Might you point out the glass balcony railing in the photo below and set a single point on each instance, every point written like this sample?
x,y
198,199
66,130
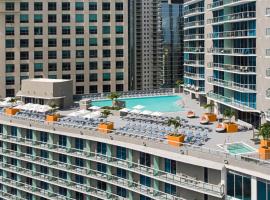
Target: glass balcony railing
x,y
194,37
193,24
267,72
245,106
175,179
232,85
199,63
233,68
267,93
194,75
194,88
194,49
241,51
197,10
224,3
233,34
232,17
9,196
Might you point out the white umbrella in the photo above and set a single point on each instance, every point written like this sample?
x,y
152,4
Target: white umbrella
x,y
73,114
138,107
146,112
95,107
125,110
156,114
135,111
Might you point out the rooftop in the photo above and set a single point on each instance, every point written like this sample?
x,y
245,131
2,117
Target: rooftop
x,y
47,80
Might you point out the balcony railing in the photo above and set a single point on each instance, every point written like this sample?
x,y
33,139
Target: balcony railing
x,y
232,85
232,17
175,179
194,75
194,11
194,37
233,34
244,106
9,196
232,68
267,72
194,88
194,62
194,49
241,51
224,3
194,23
267,93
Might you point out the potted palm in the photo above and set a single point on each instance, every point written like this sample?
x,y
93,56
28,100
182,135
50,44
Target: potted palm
x,y
179,85
52,116
210,114
264,150
105,127
230,126
175,139
11,110
114,96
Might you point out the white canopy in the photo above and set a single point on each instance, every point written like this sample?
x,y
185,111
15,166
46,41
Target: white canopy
x,y
138,107
146,112
95,114
95,107
157,114
124,110
135,111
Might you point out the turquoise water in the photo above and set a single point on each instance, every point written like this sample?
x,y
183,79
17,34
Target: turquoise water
x,y
159,104
239,148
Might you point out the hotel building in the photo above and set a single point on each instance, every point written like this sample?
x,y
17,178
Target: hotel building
x,y
85,41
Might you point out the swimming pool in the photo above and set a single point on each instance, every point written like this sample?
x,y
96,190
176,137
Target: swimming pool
x,y
239,148
159,104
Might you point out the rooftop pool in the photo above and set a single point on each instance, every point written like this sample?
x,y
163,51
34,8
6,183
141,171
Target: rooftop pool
x,y
156,103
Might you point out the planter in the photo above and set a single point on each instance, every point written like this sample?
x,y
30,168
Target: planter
x,y
264,153
265,143
51,118
105,127
175,141
231,127
11,111
211,117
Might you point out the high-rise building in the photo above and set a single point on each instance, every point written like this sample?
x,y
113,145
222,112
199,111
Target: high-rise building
x,y
227,56
145,41
194,17
172,38
85,41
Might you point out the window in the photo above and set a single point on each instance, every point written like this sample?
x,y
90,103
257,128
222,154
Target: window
x,y
38,67
10,55
66,54
267,52
119,41
65,66
106,65
79,18
10,43
24,6
119,18
52,54
121,173
263,190
52,30
93,89
79,66
106,29
52,42
119,87
106,76
170,166
119,76
65,18
24,31
101,148
66,30
38,55
106,88
24,55
121,153
9,18
121,191
52,67
106,53
170,189
10,6
145,159
119,53
24,67
52,18
62,158
93,53
38,6
267,11
101,185
101,167
52,6
92,29
65,6
10,68
92,6
10,80
62,140
24,18
79,6
65,42
38,18
79,30
79,42
106,42
93,77
24,43
267,31
105,6
79,53
9,30
10,92
38,43
106,18
145,180
93,42
92,18
119,6
66,76
38,30
93,65
79,90
119,29
79,77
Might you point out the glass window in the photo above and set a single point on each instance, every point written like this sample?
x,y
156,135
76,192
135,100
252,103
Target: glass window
x,y
38,30
106,53
9,18
66,54
52,67
66,66
52,54
65,18
105,6
119,53
92,41
24,6
52,30
93,89
38,55
24,18
93,53
106,29
38,67
65,42
121,192
9,30
38,18
106,65
24,31
93,29
170,189
119,76
65,6
93,65
79,65
10,80
9,43
119,29
119,41
52,42
101,148
101,167
10,68
10,6
92,17
119,64
79,143
92,5
106,88
38,6
106,41
93,77
79,77
121,153
79,89
121,173
24,68
66,30
52,18
38,43
119,6
52,6
145,180
170,166
24,43
24,55
79,41
106,76
79,18
79,30
106,17
119,18
62,140
119,87
79,6
79,53
145,159
10,55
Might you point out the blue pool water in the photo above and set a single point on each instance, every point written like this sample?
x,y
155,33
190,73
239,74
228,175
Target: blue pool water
x,y
159,104
239,148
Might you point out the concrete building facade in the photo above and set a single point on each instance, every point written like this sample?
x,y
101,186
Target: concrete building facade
x,y
85,41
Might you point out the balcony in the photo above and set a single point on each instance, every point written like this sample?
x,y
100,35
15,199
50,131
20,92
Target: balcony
x,y
175,179
194,49
233,34
194,63
194,37
194,11
193,24
231,102
234,51
193,88
243,16
267,73
267,93
233,68
195,76
250,88
226,3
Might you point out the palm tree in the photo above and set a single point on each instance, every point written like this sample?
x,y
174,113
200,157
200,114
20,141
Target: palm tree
x,y
175,122
264,131
114,96
229,113
105,114
210,106
179,83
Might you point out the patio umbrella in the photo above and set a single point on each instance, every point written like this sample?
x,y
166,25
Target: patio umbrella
x,y
135,111
158,114
95,107
146,112
138,107
125,110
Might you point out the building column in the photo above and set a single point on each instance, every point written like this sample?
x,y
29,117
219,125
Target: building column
x,y
130,183
51,140
69,144
35,138
224,180
109,169
130,158
156,171
254,188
